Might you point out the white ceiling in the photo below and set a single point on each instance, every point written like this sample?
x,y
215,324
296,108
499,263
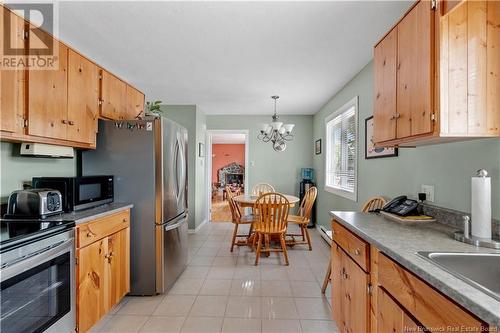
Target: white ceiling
x,y
230,57
230,138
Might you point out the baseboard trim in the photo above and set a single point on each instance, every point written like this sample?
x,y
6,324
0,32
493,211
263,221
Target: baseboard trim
x,y
325,233
193,231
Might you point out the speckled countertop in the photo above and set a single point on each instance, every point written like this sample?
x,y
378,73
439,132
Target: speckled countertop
x,y
401,242
86,215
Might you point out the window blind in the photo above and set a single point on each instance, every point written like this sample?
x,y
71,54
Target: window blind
x,y
341,151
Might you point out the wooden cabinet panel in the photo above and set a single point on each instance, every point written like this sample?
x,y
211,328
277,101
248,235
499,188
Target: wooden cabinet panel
x,y
356,310
135,103
113,96
336,286
415,72
91,284
90,232
350,299
354,246
118,266
48,97
470,56
83,99
391,318
422,301
493,68
12,82
384,67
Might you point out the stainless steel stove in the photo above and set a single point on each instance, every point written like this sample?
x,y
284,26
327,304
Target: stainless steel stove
x,y
37,276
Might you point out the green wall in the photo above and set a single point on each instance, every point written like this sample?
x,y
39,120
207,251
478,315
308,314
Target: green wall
x,y
265,165
193,120
16,169
446,166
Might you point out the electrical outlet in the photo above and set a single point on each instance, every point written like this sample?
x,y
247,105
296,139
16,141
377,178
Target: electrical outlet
x,y
429,192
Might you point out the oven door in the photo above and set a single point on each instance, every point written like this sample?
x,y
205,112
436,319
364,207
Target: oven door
x,y
38,291
93,191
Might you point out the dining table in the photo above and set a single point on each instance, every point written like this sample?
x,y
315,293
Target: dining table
x,y
248,200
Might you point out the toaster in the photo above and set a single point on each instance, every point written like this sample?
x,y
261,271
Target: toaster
x,y
34,203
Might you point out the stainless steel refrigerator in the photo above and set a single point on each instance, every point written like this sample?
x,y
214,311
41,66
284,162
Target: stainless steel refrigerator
x,y
149,161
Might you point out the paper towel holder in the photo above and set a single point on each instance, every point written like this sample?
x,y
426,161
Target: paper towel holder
x,y
466,237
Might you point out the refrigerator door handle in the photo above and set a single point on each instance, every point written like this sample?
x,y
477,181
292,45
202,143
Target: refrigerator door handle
x,y
179,182
176,225
176,162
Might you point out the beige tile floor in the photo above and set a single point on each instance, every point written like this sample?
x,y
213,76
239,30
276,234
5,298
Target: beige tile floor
x,y
222,291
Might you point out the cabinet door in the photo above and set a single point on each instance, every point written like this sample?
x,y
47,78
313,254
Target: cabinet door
x,y
338,293
357,304
48,97
135,102
83,96
415,72
118,260
91,284
12,82
391,317
113,96
384,121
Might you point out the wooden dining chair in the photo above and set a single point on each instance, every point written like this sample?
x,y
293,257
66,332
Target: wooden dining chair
x,y
303,218
262,188
372,204
238,219
272,221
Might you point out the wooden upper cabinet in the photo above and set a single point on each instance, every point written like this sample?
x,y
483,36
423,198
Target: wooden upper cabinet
x,y
385,56
135,102
415,70
12,82
470,70
83,99
113,97
448,74
48,97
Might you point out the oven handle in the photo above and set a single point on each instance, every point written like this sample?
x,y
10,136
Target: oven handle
x,y
18,266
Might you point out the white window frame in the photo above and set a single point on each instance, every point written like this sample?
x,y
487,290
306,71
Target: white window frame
x,y
335,190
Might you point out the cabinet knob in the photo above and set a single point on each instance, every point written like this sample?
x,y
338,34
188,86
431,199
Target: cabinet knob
x,y
357,252
64,121
397,115
71,122
89,234
124,219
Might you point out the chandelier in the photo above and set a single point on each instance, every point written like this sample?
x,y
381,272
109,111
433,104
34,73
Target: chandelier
x,y
276,132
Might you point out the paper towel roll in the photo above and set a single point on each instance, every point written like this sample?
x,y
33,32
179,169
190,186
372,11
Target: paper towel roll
x,y
481,207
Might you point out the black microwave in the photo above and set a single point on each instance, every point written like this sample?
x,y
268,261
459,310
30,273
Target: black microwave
x,y
79,192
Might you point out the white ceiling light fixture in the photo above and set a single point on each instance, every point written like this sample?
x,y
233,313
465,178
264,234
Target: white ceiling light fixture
x,y
276,132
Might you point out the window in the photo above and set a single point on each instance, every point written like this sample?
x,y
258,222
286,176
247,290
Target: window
x,y
342,151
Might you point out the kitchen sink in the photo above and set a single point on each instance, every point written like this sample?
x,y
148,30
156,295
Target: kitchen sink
x,y
481,270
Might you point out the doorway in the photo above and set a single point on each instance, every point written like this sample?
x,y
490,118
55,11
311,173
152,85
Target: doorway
x,y
227,165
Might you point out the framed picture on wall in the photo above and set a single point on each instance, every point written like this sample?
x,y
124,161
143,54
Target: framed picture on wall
x,y
370,150
201,149
317,147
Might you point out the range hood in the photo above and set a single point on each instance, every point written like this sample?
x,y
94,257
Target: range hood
x,y
45,150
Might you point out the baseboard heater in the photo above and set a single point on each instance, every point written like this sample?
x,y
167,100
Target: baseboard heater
x,y
325,233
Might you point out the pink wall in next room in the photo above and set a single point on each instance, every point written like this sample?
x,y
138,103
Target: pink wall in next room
x,y
224,154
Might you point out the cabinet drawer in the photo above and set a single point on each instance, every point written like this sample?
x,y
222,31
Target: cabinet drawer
x,y
354,246
92,231
421,300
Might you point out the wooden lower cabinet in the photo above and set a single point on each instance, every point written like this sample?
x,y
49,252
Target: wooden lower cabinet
x,y
103,276
388,298
350,299
391,317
